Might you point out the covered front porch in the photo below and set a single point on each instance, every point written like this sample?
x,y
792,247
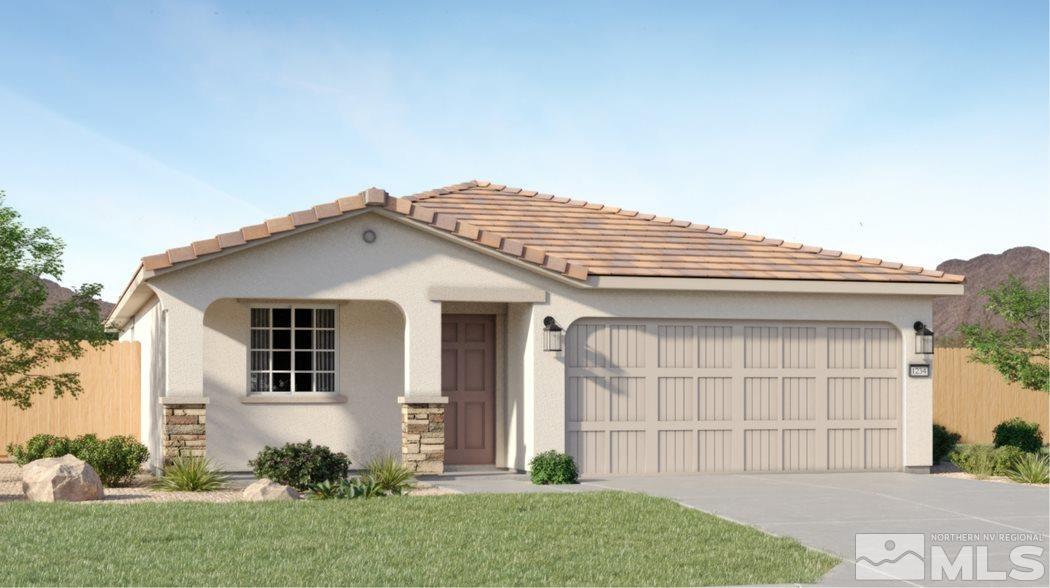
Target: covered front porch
x,y
436,383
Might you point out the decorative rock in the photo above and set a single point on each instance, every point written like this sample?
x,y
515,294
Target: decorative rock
x,y
60,479
266,489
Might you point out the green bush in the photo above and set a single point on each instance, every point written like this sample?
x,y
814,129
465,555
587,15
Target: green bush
x,y
1031,468
39,447
191,474
116,460
1019,433
553,467
944,442
984,460
389,475
300,465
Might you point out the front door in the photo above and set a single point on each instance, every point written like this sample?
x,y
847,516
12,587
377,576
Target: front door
x,y
468,378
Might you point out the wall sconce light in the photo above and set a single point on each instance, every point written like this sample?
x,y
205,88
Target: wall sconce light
x,y
923,339
553,334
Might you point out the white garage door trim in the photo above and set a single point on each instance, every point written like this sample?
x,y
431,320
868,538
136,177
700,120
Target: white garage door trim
x,y
674,396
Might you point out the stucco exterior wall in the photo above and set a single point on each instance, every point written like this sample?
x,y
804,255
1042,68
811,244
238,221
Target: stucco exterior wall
x,y
370,376
148,329
332,263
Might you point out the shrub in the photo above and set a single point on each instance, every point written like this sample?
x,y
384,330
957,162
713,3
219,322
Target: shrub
x,y
345,490
553,467
191,474
116,460
1019,433
1031,468
39,447
300,465
984,461
389,475
944,442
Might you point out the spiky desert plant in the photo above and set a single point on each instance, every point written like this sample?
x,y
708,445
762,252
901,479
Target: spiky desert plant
x,y
191,474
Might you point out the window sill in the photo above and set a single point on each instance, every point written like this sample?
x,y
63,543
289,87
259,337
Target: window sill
x,y
295,398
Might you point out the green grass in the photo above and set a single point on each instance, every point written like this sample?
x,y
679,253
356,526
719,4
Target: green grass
x,y
513,539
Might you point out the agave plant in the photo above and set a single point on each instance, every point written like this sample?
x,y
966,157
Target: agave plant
x,y
1031,468
389,475
345,490
327,490
191,474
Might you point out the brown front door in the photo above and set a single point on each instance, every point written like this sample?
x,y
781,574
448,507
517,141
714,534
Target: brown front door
x,y
468,378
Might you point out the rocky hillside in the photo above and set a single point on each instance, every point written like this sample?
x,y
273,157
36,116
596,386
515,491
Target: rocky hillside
x,y
57,293
1030,264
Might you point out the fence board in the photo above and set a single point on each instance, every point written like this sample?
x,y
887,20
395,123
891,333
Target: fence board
x,y
971,398
109,404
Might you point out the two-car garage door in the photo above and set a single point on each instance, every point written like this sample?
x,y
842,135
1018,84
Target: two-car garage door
x,y
651,396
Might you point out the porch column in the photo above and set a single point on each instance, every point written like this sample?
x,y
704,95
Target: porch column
x,y
422,406
184,421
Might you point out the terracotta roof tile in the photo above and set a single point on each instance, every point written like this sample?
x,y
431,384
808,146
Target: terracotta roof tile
x,y
579,239
255,232
227,240
206,246
180,254
158,261
351,203
467,230
513,247
280,224
326,210
375,197
304,217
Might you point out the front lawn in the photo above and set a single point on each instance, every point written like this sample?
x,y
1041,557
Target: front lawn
x,y
511,539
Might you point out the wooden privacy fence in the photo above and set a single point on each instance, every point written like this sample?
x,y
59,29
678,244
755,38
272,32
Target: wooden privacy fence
x,y
971,398
109,404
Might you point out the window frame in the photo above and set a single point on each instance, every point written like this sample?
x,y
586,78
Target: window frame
x,y
292,307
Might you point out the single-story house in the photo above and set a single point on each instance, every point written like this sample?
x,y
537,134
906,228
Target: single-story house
x,y
482,324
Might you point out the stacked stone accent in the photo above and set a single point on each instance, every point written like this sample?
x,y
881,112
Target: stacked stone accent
x,y
184,431
423,437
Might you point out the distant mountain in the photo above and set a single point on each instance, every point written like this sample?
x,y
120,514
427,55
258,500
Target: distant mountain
x,y
1030,264
57,293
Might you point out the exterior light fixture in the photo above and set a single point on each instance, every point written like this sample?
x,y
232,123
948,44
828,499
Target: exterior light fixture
x,y
923,339
553,334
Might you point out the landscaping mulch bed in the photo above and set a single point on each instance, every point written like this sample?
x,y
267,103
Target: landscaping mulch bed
x,y
140,491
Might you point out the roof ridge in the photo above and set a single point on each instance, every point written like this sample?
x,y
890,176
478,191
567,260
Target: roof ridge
x,y
598,207
375,198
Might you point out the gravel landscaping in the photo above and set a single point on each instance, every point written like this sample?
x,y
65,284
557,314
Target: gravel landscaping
x,y
140,491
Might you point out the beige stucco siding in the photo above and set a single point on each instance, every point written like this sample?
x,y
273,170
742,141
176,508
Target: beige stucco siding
x,y
147,328
332,263
370,372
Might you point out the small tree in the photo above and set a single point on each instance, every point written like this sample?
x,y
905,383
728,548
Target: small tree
x,y
1019,351
33,333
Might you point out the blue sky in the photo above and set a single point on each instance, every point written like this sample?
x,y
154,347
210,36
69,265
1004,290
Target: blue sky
x,y
912,131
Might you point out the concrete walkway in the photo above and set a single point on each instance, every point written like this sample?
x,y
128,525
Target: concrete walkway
x,y
826,511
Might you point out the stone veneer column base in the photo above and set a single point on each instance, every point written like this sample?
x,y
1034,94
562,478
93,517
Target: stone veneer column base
x,y
423,434
185,431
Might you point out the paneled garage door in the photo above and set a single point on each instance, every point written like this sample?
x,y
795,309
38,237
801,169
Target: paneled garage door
x,y
646,396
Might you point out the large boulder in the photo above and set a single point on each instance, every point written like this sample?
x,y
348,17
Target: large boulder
x,y
266,489
60,479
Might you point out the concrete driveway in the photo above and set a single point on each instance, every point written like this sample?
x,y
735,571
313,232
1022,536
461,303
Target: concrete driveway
x,y
827,511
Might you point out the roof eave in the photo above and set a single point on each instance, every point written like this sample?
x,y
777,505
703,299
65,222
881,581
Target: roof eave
x,y
778,285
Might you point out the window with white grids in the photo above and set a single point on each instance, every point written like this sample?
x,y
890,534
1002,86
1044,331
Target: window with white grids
x,y
292,349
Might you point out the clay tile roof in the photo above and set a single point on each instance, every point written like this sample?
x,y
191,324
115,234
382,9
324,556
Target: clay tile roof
x,y
606,240
579,239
